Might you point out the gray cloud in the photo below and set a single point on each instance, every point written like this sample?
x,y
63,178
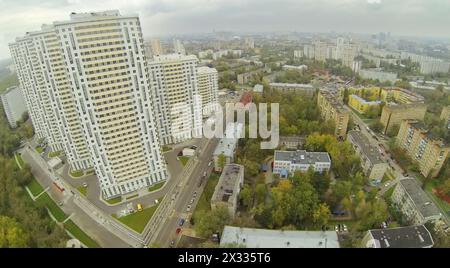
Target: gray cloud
x,y
159,17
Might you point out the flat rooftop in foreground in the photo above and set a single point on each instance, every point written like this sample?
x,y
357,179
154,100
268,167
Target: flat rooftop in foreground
x,y
264,238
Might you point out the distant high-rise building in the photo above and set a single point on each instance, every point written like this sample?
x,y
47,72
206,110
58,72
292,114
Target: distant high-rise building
x,y
157,48
308,51
249,43
176,97
178,47
92,72
208,87
13,105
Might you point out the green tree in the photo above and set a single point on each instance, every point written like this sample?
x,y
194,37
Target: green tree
x,y
213,221
246,196
221,161
321,215
445,187
260,193
12,234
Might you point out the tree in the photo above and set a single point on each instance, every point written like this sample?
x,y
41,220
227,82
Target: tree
x,y
12,234
321,215
221,161
260,193
213,221
445,187
377,126
246,196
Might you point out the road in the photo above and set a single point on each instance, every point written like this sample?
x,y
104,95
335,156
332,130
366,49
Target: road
x,y
167,233
92,227
396,169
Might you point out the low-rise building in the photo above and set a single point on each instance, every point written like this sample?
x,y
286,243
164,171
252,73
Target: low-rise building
x,y
445,115
361,105
299,68
265,238
292,142
305,88
287,162
371,162
392,114
416,236
331,108
14,105
228,188
429,152
227,145
258,88
377,74
409,198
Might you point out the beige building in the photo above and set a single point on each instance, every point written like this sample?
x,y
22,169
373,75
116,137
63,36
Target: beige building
x,y
92,72
393,114
208,87
445,115
176,97
429,152
371,162
332,108
409,198
228,188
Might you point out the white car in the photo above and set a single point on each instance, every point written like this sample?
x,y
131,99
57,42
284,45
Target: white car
x,y
85,184
387,184
188,208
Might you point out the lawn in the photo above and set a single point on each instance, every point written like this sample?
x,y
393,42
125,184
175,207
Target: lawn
x,y
156,186
132,196
76,173
34,187
39,149
184,160
20,160
137,221
204,202
114,200
72,228
56,211
166,148
54,154
82,190
387,195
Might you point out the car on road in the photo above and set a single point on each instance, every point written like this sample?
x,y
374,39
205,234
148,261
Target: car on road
x,y
181,222
210,163
178,230
85,184
188,208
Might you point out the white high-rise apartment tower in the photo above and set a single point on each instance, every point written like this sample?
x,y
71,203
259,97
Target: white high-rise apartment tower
x,y
208,87
176,97
99,79
178,47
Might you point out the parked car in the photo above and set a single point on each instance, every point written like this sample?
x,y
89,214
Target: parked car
x,y
181,222
336,228
172,243
139,207
178,230
188,208
85,184
344,228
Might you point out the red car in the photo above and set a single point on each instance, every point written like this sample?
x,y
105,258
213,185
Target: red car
x,y
178,230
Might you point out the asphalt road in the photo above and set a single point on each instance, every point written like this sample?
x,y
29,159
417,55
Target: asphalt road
x,y
168,233
92,227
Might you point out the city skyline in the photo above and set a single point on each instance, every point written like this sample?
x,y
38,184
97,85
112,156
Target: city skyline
x,y
169,17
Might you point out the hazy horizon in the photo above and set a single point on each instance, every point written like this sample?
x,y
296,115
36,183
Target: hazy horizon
x,y
414,18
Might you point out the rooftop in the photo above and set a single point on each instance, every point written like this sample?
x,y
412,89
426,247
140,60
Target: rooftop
x,y
228,143
302,157
229,179
264,238
420,199
403,237
365,101
370,151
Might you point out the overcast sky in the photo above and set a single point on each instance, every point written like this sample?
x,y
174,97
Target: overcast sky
x,y
161,17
